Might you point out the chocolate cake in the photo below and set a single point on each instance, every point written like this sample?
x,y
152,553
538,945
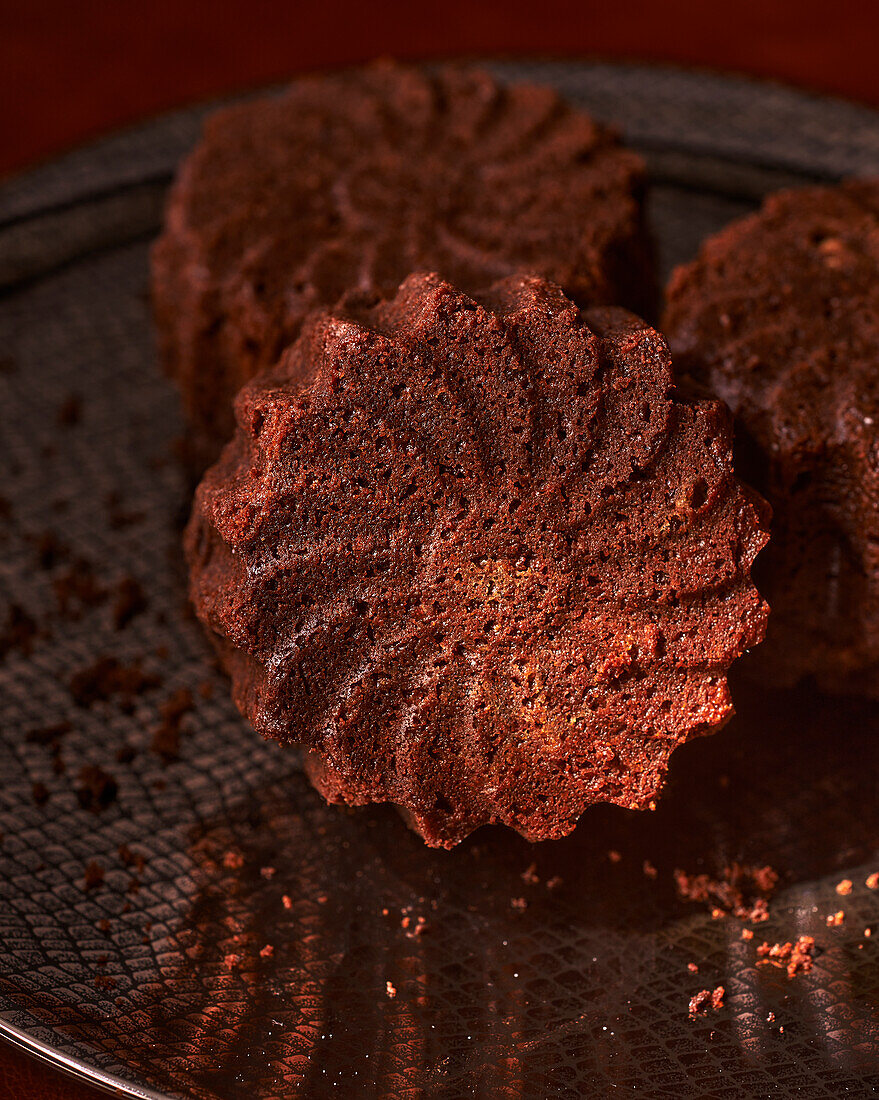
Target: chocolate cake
x,y
779,316
357,179
486,566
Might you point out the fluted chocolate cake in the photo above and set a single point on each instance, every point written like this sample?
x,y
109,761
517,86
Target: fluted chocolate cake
x,y
354,180
779,316
475,555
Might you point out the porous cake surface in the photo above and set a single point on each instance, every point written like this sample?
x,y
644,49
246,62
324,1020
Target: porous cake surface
x,y
475,555
356,179
779,316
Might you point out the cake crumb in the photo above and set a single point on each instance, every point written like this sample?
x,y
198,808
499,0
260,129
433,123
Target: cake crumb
x,y
267,951
554,882
844,888
231,961
614,856
742,891
166,736
519,903
390,990
529,875
693,968
287,901
97,789
130,601
872,881
834,920
40,794
747,934
94,875
795,957
648,869
267,872
707,998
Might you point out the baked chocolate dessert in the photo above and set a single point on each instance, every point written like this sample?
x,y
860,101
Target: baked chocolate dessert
x,y
352,181
779,316
486,567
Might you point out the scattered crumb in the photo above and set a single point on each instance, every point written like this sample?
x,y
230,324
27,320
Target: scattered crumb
x,y
614,856
648,869
50,550
747,934
40,794
78,590
742,891
131,858
166,736
48,735
94,875
872,881
716,914
20,631
518,903
834,920
391,991
844,888
554,882
267,951
267,872
117,517
529,875
287,901
97,790
233,860
796,957
231,961
106,679
693,968
707,998
868,932
69,411
129,602
413,927
770,1019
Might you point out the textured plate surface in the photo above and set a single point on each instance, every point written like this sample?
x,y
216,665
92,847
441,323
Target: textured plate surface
x,y
212,929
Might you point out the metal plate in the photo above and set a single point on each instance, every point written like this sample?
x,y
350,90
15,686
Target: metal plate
x,y
554,970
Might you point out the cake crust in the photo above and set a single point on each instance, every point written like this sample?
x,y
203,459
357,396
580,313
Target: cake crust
x,y
353,180
484,566
779,317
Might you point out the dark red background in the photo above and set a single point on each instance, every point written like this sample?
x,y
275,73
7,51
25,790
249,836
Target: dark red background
x,y
70,71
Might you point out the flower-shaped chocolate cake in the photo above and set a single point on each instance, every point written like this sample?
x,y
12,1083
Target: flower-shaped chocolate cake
x,y
475,556
779,316
352,181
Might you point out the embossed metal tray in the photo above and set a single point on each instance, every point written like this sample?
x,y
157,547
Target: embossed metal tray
x,y
210,928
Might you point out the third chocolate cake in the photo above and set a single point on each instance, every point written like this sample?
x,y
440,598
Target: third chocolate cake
x,y
779,316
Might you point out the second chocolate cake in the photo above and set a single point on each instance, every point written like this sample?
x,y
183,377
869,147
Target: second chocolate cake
x,y
476,557
354,180
779,316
